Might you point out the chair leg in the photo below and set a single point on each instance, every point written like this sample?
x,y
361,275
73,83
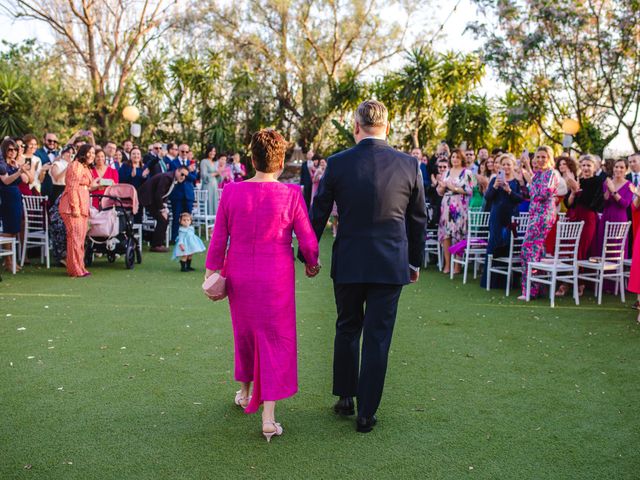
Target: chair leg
x,y
439,258
488,267
600,285
14,258
552,289
576,286
466,268
621,276
507,291
528,292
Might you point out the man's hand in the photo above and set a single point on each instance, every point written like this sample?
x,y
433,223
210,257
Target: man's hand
x,y
414,276
165,213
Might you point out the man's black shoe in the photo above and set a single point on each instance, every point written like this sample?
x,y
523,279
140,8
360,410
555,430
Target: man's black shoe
x,y
366,424
344,406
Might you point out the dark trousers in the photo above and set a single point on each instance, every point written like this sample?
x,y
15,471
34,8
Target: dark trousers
x,y
370,310
159,234
178,207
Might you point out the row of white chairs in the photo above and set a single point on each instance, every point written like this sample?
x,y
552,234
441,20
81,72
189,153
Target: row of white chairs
x,y
563,266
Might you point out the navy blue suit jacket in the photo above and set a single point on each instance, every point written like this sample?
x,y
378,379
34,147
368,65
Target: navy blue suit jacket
x,y
184,190
46,188
382,218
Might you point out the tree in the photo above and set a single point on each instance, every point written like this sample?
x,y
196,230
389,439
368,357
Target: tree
x,y
304,52
576,58
103,39
470,121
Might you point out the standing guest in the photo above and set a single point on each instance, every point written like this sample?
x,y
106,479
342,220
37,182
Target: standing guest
x,y
126,149
224,172
584,203
424,168
503,198
153,196
472,163
47,154
133,173
455,191
634,177
187,243
317,171
74,208
599,172
306,179
30,158
379,195
617,200
155,162
110,149
182,196
105,175
238,170
118,157
59,170
567,171
11,176
634,276
542,213
442,152
251,247
433,198
209,178
58,233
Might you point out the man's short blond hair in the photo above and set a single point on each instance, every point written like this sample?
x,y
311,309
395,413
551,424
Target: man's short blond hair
x,y
372,114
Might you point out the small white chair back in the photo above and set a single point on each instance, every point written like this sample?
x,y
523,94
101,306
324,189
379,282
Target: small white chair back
x,y
615,240
568,241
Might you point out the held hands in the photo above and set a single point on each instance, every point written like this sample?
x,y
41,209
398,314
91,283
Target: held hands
x,y
207,274
312,271
145,173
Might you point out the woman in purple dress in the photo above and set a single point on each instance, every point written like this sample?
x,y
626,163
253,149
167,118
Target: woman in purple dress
x,y
617,200
251,246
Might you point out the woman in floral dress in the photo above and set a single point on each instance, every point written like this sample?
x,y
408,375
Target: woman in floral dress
x,y
542,214
455,190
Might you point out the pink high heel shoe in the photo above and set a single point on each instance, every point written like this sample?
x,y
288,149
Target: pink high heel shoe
x,y
277,432
240,400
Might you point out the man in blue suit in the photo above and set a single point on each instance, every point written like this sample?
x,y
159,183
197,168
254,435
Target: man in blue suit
x,y
378,248
182,196
47,154
305,179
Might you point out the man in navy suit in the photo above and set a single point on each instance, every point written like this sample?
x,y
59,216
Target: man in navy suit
x,y
47,154
378,248
182,196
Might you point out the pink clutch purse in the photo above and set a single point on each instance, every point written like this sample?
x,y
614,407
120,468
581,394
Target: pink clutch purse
x,y
215,286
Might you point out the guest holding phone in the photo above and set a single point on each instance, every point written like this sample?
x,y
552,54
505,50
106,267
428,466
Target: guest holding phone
x,y
502,199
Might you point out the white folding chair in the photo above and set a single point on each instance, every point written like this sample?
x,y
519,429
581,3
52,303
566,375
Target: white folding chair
x,y
611,264
563,266
432,246
476,248
36,226
200,214
507,266
12,251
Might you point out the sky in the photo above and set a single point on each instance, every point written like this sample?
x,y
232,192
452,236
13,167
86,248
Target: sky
x,y
451,38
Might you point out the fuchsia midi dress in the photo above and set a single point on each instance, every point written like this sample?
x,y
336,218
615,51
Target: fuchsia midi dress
x,y
257,219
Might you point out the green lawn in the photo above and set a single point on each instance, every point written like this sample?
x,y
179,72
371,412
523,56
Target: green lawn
x,y
128,375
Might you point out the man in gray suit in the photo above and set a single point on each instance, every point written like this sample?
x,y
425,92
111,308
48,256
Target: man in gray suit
x,y
378,248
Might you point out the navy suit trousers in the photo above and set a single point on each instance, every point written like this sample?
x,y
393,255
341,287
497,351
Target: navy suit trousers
x,y
368,310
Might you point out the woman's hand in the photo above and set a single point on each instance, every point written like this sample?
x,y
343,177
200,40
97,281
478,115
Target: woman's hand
x,y
610,185
95,184
312,271
507,188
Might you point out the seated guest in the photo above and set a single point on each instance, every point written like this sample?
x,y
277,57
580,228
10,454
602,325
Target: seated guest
x,y
105,175
502,199
583,204
154,197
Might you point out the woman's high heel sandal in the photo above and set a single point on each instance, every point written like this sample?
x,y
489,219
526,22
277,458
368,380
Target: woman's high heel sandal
x,y
277,432
240,400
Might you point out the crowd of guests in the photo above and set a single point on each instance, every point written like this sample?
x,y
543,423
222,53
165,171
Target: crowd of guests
x,y
584,189
70,173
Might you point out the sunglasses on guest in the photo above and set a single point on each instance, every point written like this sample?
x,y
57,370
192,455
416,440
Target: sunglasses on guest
x,y
184,151
50,140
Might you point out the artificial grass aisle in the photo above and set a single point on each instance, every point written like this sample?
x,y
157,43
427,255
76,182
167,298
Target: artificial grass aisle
x,y
132,377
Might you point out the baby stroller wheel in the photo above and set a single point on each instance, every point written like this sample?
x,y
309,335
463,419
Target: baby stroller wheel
x,y
88,255
130,254
138,255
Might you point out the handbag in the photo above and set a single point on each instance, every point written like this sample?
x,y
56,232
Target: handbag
x,y
215,286
103,223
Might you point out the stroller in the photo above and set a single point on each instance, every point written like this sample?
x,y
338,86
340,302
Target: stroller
x,y
111,230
